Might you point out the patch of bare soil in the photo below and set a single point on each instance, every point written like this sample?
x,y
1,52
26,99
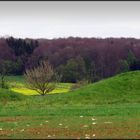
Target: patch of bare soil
x,y
13,119
5,133
45,132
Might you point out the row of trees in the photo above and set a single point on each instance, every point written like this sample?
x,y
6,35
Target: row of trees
x,y
91,58
75,59
77,69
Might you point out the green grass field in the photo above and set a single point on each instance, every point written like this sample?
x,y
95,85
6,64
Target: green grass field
x,y
107,109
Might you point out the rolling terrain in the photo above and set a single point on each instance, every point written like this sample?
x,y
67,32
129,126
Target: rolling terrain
x,y
109,108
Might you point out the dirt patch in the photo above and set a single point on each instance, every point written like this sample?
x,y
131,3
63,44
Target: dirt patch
x,y
44,132
8,120
5,133
14,119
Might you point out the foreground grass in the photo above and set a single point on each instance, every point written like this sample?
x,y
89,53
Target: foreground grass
x,y
23,120
75,127
33,118
24,108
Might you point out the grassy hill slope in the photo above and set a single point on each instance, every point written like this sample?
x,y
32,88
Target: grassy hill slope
x,y
122,88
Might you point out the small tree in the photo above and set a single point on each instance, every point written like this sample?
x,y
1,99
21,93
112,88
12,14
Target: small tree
x,y
42,78
124,66
6,67
131,58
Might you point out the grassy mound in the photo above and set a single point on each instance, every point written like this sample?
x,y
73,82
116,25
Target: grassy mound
x,y
122,88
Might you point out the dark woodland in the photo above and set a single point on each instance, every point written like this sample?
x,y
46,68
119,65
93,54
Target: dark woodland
x,y
75,59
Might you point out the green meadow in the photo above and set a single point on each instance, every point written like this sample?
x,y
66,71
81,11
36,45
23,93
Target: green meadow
x,y
109,108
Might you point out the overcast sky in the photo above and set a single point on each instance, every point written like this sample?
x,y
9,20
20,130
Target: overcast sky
x,y
63,19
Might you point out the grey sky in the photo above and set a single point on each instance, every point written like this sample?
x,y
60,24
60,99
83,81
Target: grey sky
x,y
63,19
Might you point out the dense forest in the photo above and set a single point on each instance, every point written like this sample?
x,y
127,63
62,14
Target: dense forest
x,y
75,59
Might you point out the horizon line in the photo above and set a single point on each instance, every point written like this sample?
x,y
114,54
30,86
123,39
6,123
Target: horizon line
x,y
95,37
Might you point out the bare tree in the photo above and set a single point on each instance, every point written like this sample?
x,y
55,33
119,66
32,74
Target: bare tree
x,y
42,78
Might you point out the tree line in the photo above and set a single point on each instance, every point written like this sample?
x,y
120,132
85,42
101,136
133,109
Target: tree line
x,y
75,59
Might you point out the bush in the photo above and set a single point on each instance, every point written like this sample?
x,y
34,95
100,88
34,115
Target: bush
x,y
4,85
7,95
79,84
